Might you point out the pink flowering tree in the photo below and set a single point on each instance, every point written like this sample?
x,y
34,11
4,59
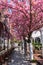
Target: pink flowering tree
x,y
25,16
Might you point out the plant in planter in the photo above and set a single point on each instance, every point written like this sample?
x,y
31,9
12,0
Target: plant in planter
x,y
37,47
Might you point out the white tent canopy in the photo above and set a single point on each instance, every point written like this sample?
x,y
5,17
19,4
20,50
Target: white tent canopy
x,y
35,34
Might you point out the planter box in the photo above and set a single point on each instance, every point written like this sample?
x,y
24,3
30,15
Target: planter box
x,y
33,63
39,59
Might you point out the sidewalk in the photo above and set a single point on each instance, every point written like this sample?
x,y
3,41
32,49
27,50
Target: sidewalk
x,y
17,59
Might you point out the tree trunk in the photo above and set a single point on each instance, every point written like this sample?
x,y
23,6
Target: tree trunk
x,y
25,47
22,45
7,44
31,51
4,44
30,47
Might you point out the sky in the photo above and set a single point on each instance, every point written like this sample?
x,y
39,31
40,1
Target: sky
x,y
8,0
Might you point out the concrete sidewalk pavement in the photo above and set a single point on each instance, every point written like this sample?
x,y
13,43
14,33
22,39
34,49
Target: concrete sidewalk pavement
x,y
17,59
